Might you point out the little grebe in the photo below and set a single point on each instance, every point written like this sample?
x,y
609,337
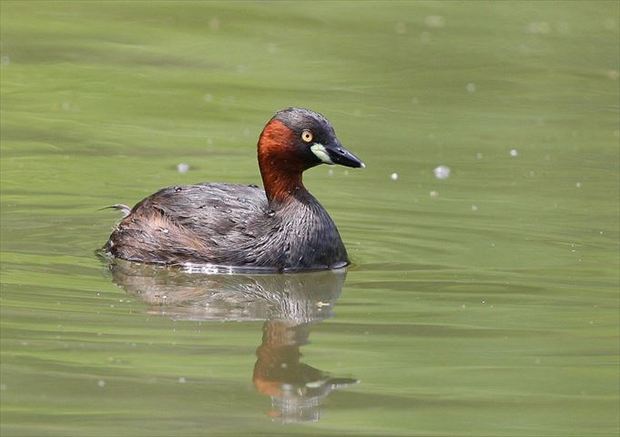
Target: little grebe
x,y
282,228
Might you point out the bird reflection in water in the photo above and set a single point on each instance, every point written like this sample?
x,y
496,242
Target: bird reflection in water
x,y
290,304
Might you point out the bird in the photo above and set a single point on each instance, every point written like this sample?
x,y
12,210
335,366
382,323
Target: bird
x,y
281,227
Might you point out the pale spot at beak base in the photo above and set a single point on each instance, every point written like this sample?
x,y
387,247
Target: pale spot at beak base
x,y
320,152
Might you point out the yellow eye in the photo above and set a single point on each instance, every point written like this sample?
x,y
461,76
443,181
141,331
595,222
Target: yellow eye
x,y
306,136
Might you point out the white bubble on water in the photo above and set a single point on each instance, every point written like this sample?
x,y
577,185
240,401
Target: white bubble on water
x,y
182,167
538,27
394,176
474,208
182,380
214,24
434,194
207,98
5,60
442,172
578,184
470,87
425,37
514,152
435,21
400,28
330,172
613,74
101,383
479,155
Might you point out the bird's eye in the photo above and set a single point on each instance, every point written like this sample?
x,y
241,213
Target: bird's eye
x,y
306,135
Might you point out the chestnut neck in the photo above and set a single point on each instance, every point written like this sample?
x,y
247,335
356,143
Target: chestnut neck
x,y
280,167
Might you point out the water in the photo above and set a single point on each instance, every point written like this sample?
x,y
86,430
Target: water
x,y
485,303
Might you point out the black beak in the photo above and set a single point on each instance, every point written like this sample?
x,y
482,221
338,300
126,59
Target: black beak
x,y
339,155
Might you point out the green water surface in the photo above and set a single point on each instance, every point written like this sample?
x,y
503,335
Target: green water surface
x,y
484,304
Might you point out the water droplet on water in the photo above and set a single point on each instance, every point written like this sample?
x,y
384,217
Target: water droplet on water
x,y
400,28
539,27
435,21
425,37
442,172
394,176
214,24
